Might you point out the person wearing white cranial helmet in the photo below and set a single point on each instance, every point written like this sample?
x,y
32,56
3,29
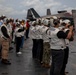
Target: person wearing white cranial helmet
x,y
46,46
57,47
36,36
52,18
5,39
68,28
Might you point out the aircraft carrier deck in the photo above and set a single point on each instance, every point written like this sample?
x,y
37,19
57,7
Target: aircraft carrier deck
x,y
25,65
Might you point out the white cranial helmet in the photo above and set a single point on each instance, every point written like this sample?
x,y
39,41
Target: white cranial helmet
x,y
66,21
54,17
34,22
45,21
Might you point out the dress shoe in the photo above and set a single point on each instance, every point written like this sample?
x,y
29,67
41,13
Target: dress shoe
x,y
10,48
6,62
47,66
43,65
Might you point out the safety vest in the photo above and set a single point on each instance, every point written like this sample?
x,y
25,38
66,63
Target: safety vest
x,y
18,34
55,42
1,34
45,33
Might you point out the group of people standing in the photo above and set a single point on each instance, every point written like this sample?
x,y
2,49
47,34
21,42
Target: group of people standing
x,y
12,32
52,42
40,35
50,38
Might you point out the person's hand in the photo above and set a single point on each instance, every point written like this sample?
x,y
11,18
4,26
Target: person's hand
x,y
71,28
70,34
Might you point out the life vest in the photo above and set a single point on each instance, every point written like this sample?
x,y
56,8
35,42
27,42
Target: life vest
x,y
55,42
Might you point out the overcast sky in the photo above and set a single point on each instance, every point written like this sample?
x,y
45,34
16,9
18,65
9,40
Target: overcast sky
x,y
18,8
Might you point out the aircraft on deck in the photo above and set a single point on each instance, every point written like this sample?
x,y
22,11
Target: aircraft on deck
x,y
33,15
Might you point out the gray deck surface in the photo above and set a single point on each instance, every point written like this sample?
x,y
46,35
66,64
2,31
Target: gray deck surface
x,y
25,65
